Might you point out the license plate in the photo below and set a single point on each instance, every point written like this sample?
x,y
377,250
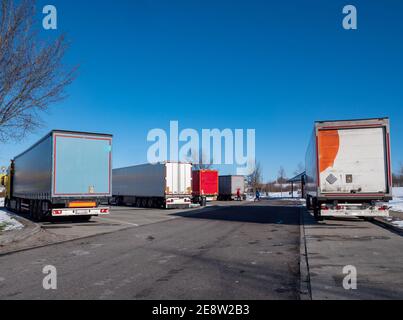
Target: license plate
x,y
82,212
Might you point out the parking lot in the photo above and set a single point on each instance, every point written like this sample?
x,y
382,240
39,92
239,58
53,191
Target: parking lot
x,y
232,251
120,218
228,250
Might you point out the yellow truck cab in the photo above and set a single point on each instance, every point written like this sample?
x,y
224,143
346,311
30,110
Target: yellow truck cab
x,y
5,180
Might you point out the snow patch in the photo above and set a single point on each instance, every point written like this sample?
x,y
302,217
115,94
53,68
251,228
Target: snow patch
x,y
1,202
397,202
284,194
398,223
7,223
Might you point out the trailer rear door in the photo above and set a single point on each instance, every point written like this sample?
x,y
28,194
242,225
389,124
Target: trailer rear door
x,y
82,165
353,161
179,178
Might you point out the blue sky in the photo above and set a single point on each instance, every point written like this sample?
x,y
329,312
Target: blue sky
x,y
273,66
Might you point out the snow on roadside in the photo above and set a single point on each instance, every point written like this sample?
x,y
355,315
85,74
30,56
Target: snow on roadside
x,y
397,202
1,202
398,223
7,223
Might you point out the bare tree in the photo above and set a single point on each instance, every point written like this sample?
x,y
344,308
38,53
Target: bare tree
x,y
32,75
254,180
300,169
281,178
398,177
199,164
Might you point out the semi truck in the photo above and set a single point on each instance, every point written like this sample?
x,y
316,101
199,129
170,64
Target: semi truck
x,y
230,187
204,185
348,169
65,174
164,185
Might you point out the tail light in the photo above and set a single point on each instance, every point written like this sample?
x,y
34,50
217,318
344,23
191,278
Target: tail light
x,y
383,208
57,212
104,210
339,207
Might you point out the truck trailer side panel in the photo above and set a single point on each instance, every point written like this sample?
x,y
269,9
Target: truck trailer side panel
x,y
166,185
141,181
33,172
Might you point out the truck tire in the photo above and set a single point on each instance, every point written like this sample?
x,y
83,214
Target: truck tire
x,y
37,212
41,212
308,203
316,210
203,201
32,211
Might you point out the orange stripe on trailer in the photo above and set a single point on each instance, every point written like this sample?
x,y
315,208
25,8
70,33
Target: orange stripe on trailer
x,y
329,144
82,204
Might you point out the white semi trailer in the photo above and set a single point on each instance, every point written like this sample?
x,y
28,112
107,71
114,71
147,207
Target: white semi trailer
x,y
165,185
348,169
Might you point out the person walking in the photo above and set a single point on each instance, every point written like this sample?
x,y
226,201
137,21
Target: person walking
x,y
257,195
238,194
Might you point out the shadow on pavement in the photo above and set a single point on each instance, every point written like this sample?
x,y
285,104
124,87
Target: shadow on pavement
x,y
261,212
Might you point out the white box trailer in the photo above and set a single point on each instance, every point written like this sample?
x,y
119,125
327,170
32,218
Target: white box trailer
x,y
165,185
348,168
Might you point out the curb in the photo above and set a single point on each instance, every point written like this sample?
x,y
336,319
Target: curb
x,y
305,292
29,230
389,226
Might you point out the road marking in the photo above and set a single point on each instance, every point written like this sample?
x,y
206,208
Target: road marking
x,y
119,221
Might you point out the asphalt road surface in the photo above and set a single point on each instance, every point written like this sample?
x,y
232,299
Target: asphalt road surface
x,y
237,252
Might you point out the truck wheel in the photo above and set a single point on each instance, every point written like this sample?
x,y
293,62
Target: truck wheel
x,y
316,210
308,203
144,202
32,211
41,213
37,214
203,202
316,213
18,206
150,203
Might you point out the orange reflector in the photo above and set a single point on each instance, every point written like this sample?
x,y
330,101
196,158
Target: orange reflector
x,y
78,204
